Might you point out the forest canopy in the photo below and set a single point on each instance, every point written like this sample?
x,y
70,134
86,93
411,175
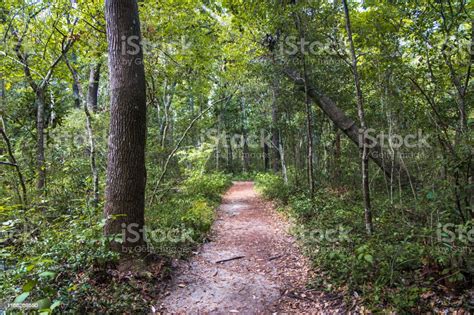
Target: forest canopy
x,y
123,123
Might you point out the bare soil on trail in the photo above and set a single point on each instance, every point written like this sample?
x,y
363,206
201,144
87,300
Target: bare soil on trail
x,y
250,266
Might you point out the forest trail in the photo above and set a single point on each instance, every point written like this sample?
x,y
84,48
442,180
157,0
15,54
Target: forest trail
x,y
251,265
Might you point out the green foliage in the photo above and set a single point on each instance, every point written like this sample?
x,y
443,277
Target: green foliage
x,y
414,63
391,269
35,275
208,186
272,186
175,227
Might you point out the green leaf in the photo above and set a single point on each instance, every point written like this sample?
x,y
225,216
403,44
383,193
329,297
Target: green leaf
x,y
47,274
27,287
22,297
55,304
369,258
44,304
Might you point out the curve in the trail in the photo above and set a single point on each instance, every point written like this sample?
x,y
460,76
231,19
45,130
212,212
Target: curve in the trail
x,y
251,265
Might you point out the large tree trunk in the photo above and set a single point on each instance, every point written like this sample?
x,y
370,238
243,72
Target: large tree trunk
x,y
126,173
93,89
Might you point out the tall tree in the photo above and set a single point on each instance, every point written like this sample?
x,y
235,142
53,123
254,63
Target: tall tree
x,y
89,130
275,129
360,110
126,172
39,88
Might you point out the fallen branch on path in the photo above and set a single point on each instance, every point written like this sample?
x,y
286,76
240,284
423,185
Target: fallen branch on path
x,y
229,259
275,257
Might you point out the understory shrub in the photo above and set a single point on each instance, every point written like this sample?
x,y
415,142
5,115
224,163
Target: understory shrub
x,y
391,269
272,186
63,263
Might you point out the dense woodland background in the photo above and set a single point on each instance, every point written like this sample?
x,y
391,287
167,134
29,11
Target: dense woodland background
x,y
277,91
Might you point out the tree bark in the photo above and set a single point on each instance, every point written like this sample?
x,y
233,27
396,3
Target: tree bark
x,y
126,172
266,157
75,84
40,144
283,161
93,88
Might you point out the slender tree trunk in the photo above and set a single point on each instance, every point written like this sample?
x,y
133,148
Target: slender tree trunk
x,y
167,101
309,124
309,136
245,146
360,109
283,162
40,143
230,155
40,90
218,141
275,131
90,134
13,160
337,155
266,157
75,85
126,172
93,88
92,156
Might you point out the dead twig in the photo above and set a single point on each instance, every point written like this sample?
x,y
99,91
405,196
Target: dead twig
x,y
275,257
229,259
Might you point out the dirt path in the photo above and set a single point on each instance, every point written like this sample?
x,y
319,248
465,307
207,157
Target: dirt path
x,y
268,273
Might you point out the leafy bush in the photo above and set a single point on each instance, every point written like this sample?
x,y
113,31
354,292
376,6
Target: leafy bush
x,y
208,186
46,260
272,186
392,268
